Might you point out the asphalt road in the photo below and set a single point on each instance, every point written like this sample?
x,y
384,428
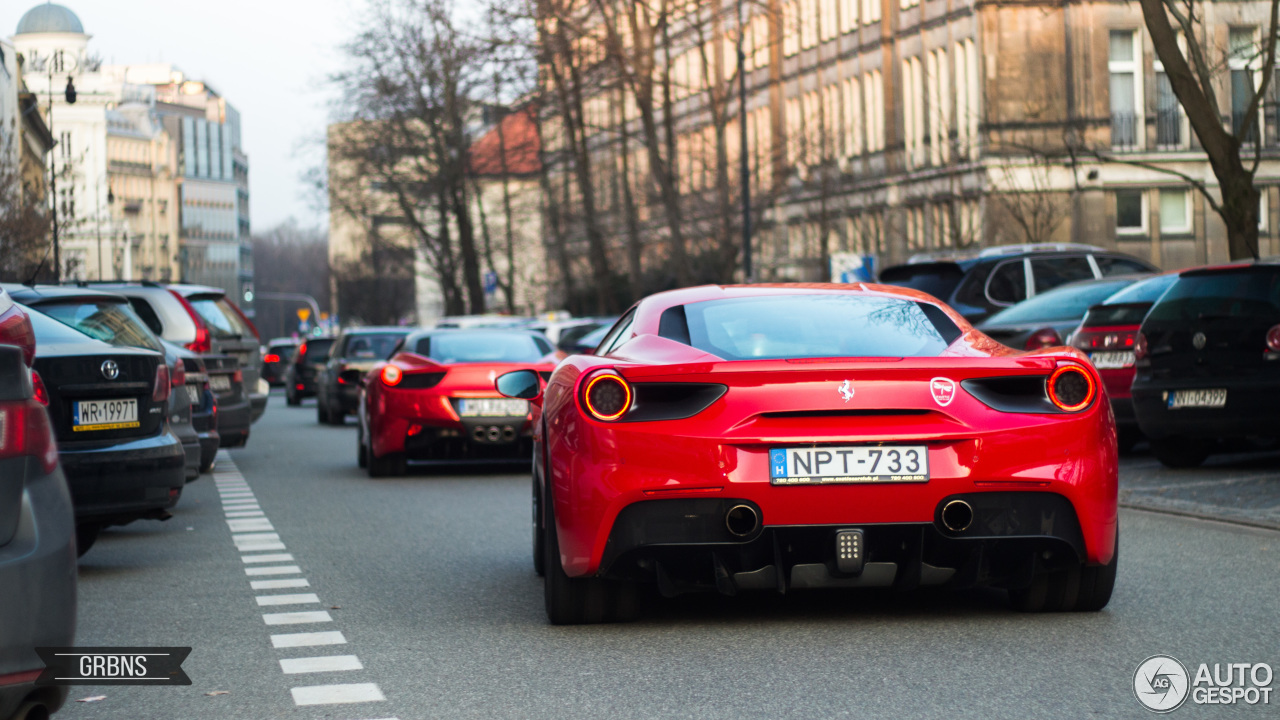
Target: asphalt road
x,y
428,581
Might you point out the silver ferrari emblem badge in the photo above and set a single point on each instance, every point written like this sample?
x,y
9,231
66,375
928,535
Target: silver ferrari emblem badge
x,y
846,390
1199,340
110,370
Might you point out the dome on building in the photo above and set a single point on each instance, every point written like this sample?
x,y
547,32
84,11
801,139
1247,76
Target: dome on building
x,y
49,18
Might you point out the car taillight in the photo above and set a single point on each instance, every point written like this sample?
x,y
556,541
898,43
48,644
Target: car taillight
x,y
392,375
15,329
203,343
270,358
25,432
302,352
41,394
1071,388
160,393
1043,338
1273,339
607,397
238,376
178,375
1104,340
1139,346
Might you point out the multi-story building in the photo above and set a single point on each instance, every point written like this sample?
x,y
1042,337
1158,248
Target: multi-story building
x,y
141,165
888,128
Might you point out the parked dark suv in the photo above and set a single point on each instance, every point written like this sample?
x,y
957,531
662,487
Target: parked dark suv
x,y
306,363
978,285
1208,363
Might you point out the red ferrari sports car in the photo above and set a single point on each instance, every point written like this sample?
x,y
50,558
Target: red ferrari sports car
x,y
783,437
434,399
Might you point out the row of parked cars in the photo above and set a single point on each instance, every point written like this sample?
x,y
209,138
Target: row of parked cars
x,y
112,398
1190,360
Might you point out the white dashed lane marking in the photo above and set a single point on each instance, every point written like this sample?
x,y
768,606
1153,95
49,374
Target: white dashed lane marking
x,y
254,535
300,599
337,694
289,640
330,663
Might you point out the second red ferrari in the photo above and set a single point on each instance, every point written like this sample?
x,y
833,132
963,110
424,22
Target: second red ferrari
x,y
434,399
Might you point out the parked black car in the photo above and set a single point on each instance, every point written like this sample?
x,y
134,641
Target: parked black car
x,y
275,361
108,406
353,353
1208,363
204,403
1046,319
37,531
305,365
108,317
980,284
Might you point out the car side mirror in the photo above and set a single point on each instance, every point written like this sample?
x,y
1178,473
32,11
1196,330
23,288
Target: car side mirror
x,y
521,385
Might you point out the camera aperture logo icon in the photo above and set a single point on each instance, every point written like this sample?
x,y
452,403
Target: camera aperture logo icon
x,y
1161,683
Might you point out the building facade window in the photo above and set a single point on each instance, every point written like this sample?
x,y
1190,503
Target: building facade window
x,y
1175,212
1242,60
852,125
1131,212
870,12
848,15
873,90
1126,90
791,28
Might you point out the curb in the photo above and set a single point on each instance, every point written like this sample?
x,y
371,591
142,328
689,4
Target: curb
x,y
1257,524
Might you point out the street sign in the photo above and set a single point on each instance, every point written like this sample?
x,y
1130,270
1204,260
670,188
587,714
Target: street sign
x,y
303,314
852,267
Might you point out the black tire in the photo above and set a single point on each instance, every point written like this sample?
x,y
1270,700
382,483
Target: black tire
x,y
389,465
337,417
579,601
322,413
291,398
1066,588
86,536
1097,582
207,466
362,452
539,533
1181,452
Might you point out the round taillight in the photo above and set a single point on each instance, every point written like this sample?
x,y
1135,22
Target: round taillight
x,y
1140,346
607,397
1043,338
271,358
1071,388
1273,338
391,375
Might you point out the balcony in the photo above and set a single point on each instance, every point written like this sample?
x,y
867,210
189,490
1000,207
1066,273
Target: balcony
x,y
1125,127
1169,128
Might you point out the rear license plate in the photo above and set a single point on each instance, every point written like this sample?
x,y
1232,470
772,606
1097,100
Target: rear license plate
x,y
1112,360
850,464
493,407
194,392
1211,398
104,415
220,383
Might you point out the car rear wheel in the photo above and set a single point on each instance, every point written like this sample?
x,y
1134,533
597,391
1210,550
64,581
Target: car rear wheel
x,y
291,398
86,536
389,465
1181,452
539,533
322,413
362,452
336,417
579,601
1075,586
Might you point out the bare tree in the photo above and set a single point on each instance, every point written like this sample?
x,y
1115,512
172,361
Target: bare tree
x,y
24,222
1194,78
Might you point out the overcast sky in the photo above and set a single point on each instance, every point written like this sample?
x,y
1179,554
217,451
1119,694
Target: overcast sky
x,y
267,57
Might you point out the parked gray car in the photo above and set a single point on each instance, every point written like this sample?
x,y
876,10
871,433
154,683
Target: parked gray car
x,y
37,531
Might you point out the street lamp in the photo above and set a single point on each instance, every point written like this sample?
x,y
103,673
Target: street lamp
x,y
744,160
70,94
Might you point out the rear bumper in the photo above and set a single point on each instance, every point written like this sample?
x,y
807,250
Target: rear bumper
x,y
258,406
1250,410
125,481
441,434
234,420
685,545
209,443
37,588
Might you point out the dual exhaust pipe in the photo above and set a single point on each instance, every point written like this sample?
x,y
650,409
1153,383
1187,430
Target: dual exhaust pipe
x,y
493,434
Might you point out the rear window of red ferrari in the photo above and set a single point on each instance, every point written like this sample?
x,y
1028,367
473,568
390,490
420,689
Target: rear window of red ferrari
x,y
479,347
811,326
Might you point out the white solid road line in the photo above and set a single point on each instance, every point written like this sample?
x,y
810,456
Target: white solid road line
x,y
337,694
275,557
330,663
297,618
299,599
279,584
273,570
290,640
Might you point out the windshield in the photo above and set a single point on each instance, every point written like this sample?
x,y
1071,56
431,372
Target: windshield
x,y
478,347
224,323
319,349
1245,292
1064,303
805,326
1143,291
111,322
370,346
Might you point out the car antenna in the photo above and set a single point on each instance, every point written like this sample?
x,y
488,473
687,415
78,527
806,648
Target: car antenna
x,y
31,281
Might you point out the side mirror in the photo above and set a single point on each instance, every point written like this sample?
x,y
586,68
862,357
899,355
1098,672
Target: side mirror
x,y
521,384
